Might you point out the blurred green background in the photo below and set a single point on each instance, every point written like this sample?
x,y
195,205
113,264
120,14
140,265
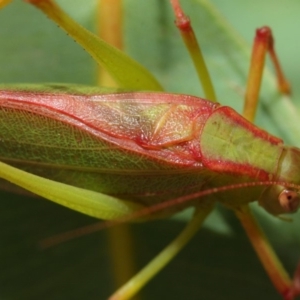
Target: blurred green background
x,y
219,263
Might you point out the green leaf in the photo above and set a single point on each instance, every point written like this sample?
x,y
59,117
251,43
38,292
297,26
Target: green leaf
x,y
219,263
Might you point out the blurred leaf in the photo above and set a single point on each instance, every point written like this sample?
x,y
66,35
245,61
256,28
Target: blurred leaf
x,y
218,264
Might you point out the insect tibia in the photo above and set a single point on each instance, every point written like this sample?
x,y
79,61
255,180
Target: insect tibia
x,y
294,290
264,35
125,71
182,21
187,33
263,43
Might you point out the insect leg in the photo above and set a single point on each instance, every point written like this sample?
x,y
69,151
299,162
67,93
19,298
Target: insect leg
x,y
183,23
125,71
4,2
88,202
162,259
110,29
264,250
263,43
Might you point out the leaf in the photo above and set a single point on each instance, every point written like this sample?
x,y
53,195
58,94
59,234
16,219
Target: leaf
x,y
219,263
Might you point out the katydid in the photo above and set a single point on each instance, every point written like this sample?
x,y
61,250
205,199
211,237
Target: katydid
x,y
171,140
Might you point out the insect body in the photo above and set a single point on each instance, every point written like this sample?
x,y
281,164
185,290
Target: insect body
x,y
146,148
185,144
